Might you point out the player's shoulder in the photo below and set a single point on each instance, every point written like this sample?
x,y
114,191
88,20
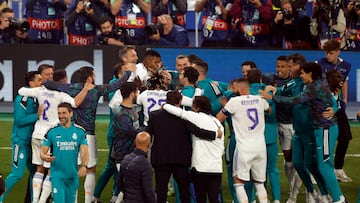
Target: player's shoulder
x,y
54,129
79,127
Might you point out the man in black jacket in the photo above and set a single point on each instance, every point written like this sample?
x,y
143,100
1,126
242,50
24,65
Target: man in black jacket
x,y
135,178
171,148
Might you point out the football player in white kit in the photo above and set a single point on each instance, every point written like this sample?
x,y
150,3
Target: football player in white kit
x,y
247,113
49,100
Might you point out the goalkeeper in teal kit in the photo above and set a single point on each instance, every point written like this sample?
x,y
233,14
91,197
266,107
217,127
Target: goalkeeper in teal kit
x,y
26,113
65,141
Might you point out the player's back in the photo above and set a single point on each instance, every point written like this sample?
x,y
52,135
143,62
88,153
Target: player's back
x,y
151,100
49,99
249,121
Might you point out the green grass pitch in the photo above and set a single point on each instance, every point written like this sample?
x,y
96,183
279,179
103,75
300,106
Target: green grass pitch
x,y
352,166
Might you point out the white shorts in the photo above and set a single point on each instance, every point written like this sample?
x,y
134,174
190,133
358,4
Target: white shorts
x,y
245,163
93,153
285,132
36,149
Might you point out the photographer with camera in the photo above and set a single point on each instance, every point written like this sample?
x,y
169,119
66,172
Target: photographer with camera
x,y
110,34
175,8
7,36
328,21
166,33
81,20
353,25
12,31
290,30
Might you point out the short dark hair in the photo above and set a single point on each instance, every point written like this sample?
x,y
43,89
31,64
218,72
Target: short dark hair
x,y
173,97
42,67
105,19
6,10
242,80
297,59
127,88
254,76
193,57
252,64
30,76
117,69
65,105
313,68
59,74
203,103
332,45
191,74
84,73
152,53
282,58
202,65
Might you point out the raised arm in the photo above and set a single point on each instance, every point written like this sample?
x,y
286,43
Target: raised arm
x,y
115,6
82,94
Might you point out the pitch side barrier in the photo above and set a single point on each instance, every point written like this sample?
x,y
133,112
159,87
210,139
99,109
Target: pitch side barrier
x,y
224,64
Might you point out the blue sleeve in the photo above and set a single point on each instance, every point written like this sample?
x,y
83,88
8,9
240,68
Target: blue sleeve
x,y
108,88
71,89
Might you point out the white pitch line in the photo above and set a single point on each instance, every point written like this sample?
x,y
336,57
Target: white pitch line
x,y
106,150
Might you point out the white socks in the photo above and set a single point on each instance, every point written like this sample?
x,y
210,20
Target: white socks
x,y
46,190
241,193
89,186
37,185
261,192
120,197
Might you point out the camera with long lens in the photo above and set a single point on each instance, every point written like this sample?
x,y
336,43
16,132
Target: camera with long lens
x,y
153,28
87,4
16,24
287,14
357,5
116,33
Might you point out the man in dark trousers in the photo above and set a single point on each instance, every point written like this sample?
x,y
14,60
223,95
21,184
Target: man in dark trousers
x,y
171,149
136,173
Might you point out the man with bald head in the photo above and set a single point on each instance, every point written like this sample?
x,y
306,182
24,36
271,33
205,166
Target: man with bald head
x,y
136,171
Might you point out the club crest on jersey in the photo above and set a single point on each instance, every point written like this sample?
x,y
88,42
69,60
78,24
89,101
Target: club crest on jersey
x,y
58,136
74,136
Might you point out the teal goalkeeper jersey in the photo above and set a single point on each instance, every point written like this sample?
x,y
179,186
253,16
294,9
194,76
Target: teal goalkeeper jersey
x,y
65,145
25,116
302,117
213,90
270,118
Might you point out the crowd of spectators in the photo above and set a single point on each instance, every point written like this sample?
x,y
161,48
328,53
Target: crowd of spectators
x,y
225,23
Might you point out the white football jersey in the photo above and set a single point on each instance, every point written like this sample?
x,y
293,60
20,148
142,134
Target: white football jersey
x,y
50,99
151,100
247,113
